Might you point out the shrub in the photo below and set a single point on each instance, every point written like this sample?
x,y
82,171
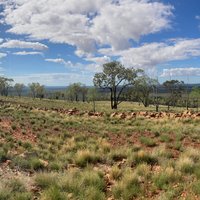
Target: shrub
x,y
197,171
55,166
84,157
4,194
142,157
27,145
192,153
44,180
147,141
3,156
185,164
143,170
118,154
116,173
53,193
15,185
14,127
93,194
94,179
22,196
81,183
164,178
20,162
196,187
161,151
128,188
36,164
165,138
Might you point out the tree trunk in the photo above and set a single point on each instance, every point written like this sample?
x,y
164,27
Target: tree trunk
x,y
111,98
94,106
168,106
115,105
83,97
146,102
76,97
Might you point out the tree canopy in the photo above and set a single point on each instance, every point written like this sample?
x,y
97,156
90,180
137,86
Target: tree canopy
x,y
144,85
5,84
116,78
37,90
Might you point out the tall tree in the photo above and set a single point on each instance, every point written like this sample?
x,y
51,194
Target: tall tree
x,y
195,93
19,88
116,78
144,85
84,91
175,89
93,95
73,91
5,84
37,90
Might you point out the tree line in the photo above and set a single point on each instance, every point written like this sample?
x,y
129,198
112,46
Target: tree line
x,y
117,84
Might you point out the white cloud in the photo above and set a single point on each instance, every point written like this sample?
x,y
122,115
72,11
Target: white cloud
x,y
148,56
23,45
197,17
52,79
1,40
2,69
87,24
99,60
117,23
95,66
2,55
24,53
60,61
191,71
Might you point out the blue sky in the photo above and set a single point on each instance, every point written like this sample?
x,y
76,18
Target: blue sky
x,y
58,42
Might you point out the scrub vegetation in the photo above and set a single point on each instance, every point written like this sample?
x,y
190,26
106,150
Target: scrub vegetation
x,y
53,150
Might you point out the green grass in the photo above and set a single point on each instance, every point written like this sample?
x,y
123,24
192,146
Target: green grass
x,y
48,155
147,141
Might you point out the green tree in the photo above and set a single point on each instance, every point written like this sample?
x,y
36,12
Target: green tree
x,y
93,96
19,88
37,90
175,89
144,85
5,85
73,91
84,91
58,95
116,78
195,93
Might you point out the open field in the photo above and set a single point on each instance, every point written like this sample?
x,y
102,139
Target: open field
x,y
50,151
101,106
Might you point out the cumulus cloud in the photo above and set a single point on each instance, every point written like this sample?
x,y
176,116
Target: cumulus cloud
x,y
59,60
95,66
150,55
25,53
87,24
2,69
99,60
191,71
52,79
23,45
2,55
197,17
118,23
